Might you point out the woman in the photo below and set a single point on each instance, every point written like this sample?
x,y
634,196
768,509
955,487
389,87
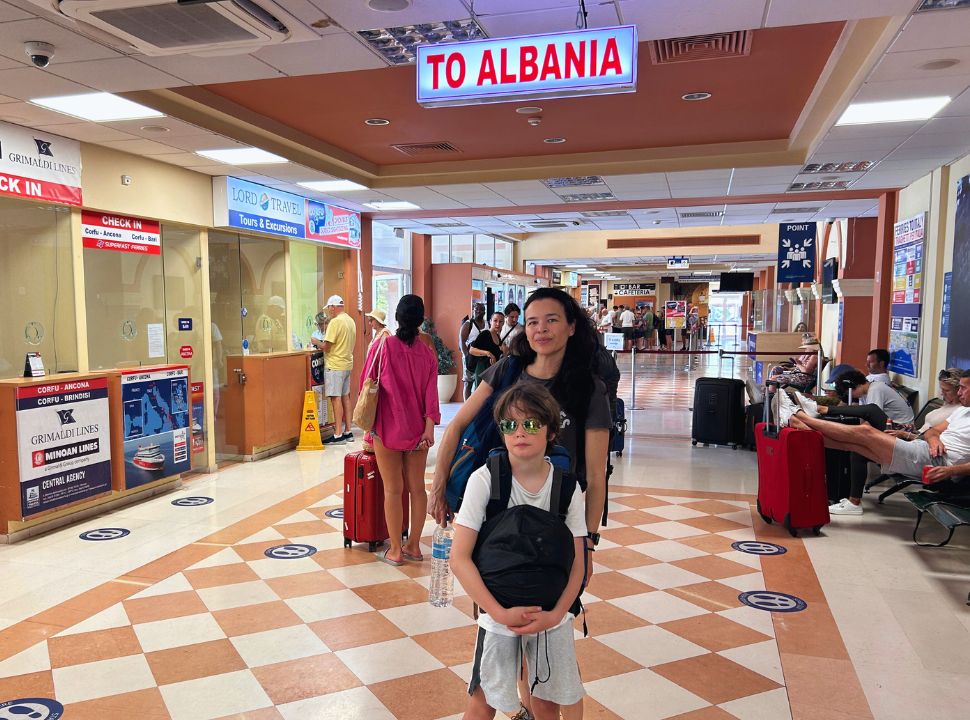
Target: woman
x,y
316,339
558,350
801,327
511,328
853,385
407,411
377,324
800,375
487,348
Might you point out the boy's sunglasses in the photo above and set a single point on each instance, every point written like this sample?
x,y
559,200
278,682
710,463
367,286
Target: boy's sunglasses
x,y
530,425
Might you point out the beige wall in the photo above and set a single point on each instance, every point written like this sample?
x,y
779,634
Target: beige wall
x,y
593,243
158,190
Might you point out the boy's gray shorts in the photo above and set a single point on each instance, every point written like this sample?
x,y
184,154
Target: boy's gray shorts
x,y
498,662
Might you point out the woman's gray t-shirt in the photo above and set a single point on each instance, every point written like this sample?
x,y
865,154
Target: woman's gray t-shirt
x,y
890,401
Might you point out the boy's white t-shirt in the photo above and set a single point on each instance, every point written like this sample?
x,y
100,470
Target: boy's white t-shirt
x,y
472,516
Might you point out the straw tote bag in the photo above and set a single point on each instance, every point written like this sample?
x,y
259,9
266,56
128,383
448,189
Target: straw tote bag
x,y
365,412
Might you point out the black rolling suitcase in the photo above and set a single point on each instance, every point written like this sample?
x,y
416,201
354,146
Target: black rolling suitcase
x,y
618,440
752,416
838,463
718,412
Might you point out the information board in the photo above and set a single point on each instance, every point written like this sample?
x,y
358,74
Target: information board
x,y
155,405
945,315
904,337
613,341
64,443
675,314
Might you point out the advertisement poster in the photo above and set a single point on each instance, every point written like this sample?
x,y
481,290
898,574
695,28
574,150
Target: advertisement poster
x,y
198,417
101,231
675,314
594,294
945,315
332,225
39,166
906,306
156,432
247,206
796,252
65,444
520,296
958,347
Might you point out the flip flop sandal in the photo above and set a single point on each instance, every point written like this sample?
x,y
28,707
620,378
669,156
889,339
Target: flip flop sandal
x,y
385,559
408,556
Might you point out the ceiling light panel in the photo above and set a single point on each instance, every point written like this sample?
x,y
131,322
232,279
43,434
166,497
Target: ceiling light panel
x,y
588,197
942,5
573,181
891,111
96,107
830,185
392,205
397,45
834,168
242,156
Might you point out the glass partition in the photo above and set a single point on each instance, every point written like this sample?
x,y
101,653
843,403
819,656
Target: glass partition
x,y
485,250
37,272
263,284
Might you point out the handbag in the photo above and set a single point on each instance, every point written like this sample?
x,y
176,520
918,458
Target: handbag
x,y
365,411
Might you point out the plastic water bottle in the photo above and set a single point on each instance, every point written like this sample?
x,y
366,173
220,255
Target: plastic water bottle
x,y
442,581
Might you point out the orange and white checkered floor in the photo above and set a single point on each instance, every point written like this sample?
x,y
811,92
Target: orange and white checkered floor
x,y
186,617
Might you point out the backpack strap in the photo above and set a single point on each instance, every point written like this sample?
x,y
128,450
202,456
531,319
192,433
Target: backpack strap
x,y
555,493
500,473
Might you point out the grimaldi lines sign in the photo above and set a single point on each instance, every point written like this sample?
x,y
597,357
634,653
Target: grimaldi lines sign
x,y
569,64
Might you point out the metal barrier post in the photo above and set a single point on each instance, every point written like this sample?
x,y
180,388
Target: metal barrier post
x,y
633,378
818,371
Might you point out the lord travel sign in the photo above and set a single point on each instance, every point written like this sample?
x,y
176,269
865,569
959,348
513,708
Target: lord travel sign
x,y
569,64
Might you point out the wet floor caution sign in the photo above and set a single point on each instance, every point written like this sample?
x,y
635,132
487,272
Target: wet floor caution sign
x,y
309,427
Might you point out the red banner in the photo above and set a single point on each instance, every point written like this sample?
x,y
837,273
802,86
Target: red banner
x,y
102,231
22,187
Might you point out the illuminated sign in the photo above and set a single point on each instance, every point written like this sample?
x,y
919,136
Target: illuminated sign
x,y
678,263
570,64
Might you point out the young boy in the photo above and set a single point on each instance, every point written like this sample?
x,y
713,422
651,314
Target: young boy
x,y
528,418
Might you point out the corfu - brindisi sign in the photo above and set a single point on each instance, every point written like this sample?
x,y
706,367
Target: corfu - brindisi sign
x,y
569,64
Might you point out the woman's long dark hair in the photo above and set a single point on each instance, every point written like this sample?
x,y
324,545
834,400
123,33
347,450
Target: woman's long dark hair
x,y
848,381
573,384
409,316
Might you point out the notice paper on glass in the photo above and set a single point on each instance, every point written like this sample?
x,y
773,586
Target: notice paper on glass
x,y
156,340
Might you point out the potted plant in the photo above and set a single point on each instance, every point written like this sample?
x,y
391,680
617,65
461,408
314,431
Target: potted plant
x,y
447,380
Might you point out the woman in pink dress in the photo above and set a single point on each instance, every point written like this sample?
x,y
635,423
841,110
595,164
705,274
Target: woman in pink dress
x,y
407,411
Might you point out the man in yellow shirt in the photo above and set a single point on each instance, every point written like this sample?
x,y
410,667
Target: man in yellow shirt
x,y
338,347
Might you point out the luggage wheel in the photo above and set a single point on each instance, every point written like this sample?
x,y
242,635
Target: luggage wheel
x,y
817,530
793,532
371,547
694,443
764,517
347,543
619,453
404,534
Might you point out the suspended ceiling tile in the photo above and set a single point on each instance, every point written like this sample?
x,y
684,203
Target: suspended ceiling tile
x,y
937,140
28,115
88,132
945,125
9,13
958,107
29,82
546,21
70,46
924,31
115,74
642,194
799,12
674,18
857,149
909,65
933,157
308,13
215,170
770,171
358,16
182,159
202,71
329,54
901,89
141,146
8,63
193,143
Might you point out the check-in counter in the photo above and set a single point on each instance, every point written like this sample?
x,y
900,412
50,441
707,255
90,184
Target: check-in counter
x,y
263,401
55,448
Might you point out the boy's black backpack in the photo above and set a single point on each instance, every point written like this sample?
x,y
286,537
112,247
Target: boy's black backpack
x,y
525,554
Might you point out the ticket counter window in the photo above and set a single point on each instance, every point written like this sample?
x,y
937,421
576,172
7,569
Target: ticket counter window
x,y
37,281
314,276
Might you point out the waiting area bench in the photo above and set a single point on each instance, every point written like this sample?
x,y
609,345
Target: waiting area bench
x,y
949,514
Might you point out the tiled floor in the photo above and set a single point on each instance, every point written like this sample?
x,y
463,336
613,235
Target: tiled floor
x,y
188,618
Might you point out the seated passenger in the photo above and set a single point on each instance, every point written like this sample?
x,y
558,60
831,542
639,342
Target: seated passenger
x,y
877,362
946,446
949,382
800,374
859,394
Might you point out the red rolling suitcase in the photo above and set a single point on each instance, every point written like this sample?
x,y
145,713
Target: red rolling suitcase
x,y
791,478
364,502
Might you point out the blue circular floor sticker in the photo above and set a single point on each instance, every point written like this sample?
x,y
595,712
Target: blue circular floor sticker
x,y
98,535
32,708
288,552
753,547
337,513
771,601
192,501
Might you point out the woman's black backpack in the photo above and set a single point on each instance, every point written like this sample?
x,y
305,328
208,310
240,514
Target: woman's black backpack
x,y
525,554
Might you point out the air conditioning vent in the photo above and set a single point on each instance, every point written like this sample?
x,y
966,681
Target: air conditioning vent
x,y
701,47
426,148
795,211
573,181
942,5
168,27
588,197
446,225
830,168
605,213
831,185
549,224
702,214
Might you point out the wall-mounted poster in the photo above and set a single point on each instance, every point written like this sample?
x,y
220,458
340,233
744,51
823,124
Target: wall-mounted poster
x,y
65,445
156,416
675,314
906,307
958,345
